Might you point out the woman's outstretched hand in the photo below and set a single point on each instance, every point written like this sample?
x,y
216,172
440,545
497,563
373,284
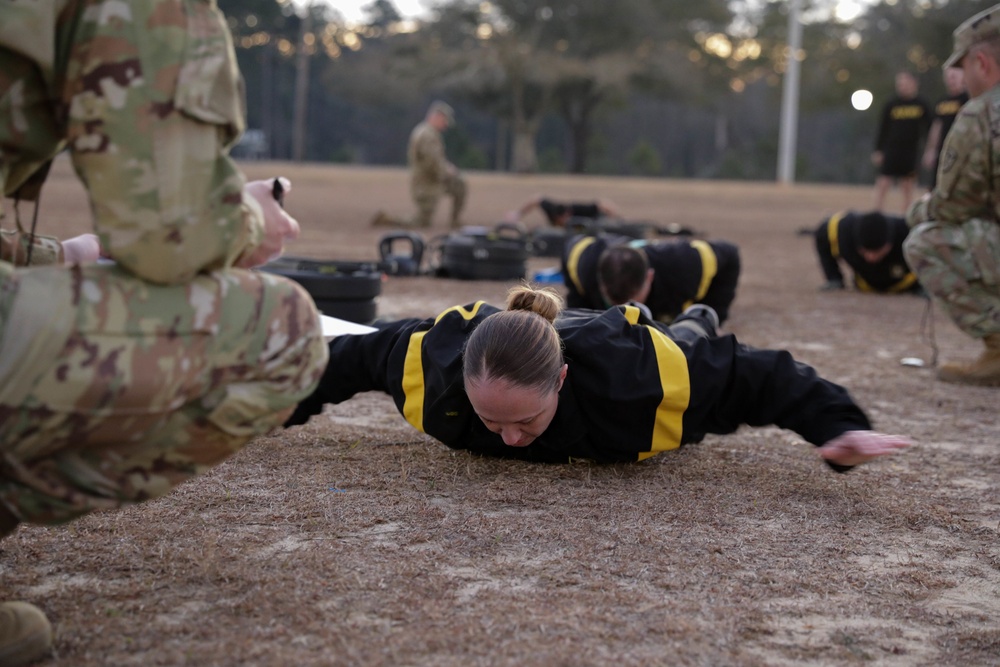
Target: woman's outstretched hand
x,y
856,447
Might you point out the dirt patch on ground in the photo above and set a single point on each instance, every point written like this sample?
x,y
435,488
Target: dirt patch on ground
x,y
354,540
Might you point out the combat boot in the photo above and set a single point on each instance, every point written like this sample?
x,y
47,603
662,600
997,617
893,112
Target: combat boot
x,y
382,219
25,634
984,371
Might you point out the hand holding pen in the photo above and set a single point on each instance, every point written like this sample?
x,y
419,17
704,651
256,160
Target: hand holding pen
x,y
279,227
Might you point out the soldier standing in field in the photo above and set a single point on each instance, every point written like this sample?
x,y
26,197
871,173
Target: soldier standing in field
x,y
120,380
945,112
431,175
903,126
954,243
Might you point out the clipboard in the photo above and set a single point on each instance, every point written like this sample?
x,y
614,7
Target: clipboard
x,y
333,327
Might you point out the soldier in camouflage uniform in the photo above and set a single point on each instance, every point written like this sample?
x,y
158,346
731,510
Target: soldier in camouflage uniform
x,y
120,380
431,175
954,246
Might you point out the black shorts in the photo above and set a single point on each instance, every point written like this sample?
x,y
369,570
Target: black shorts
x,y
898,164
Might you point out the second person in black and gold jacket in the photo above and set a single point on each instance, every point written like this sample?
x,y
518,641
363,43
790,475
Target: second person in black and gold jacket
x,y
666,276
871,244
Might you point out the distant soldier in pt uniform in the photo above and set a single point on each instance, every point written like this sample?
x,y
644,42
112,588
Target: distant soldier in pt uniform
x,y
560,213
905,121
663,277
431,175
120,380
945,112
871,244
954,246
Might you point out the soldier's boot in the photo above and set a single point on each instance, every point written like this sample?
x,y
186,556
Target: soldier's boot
x,y
455,220
25,634
984,371
458,192
382,219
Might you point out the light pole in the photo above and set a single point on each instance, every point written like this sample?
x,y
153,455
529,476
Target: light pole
x,y
790,97
301,89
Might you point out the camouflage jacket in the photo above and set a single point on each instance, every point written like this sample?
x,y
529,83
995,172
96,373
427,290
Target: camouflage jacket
x,y
147,97
425,154
968,183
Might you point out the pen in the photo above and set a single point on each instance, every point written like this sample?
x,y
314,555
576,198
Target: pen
x,y
278,192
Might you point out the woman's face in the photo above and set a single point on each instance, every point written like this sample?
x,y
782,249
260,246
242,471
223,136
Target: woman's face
x,y
518,414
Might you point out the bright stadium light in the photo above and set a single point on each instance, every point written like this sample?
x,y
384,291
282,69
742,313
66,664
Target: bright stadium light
x,y
861,99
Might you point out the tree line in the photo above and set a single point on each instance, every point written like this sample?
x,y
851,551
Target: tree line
x,y
646,87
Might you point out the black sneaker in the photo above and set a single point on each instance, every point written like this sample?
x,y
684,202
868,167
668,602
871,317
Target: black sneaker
x,y
705,315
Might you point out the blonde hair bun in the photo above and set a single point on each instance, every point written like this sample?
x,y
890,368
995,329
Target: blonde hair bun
x,y
543,301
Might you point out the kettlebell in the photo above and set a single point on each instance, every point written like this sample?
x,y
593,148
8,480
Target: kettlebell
x,y
509,231
407,262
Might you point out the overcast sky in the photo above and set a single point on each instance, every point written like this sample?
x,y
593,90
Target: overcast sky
x,y
351,9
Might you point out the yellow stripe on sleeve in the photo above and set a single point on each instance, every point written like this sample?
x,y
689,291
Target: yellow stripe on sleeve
x,y
466,314
833,232
709,267
573,262
904,284
413,369
676,385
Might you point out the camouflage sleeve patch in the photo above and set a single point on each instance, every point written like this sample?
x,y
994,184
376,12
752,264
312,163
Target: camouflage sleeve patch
x,y
963,186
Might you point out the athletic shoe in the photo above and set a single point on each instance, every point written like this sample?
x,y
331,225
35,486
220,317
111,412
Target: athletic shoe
x,y
704,314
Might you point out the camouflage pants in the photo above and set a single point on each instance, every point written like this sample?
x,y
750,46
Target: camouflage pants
x,y
426,199
960,266
114,390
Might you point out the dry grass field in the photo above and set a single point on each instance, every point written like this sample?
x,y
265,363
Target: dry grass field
x,y
355,540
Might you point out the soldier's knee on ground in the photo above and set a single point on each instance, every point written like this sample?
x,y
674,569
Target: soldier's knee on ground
x,y
457,188
425,210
